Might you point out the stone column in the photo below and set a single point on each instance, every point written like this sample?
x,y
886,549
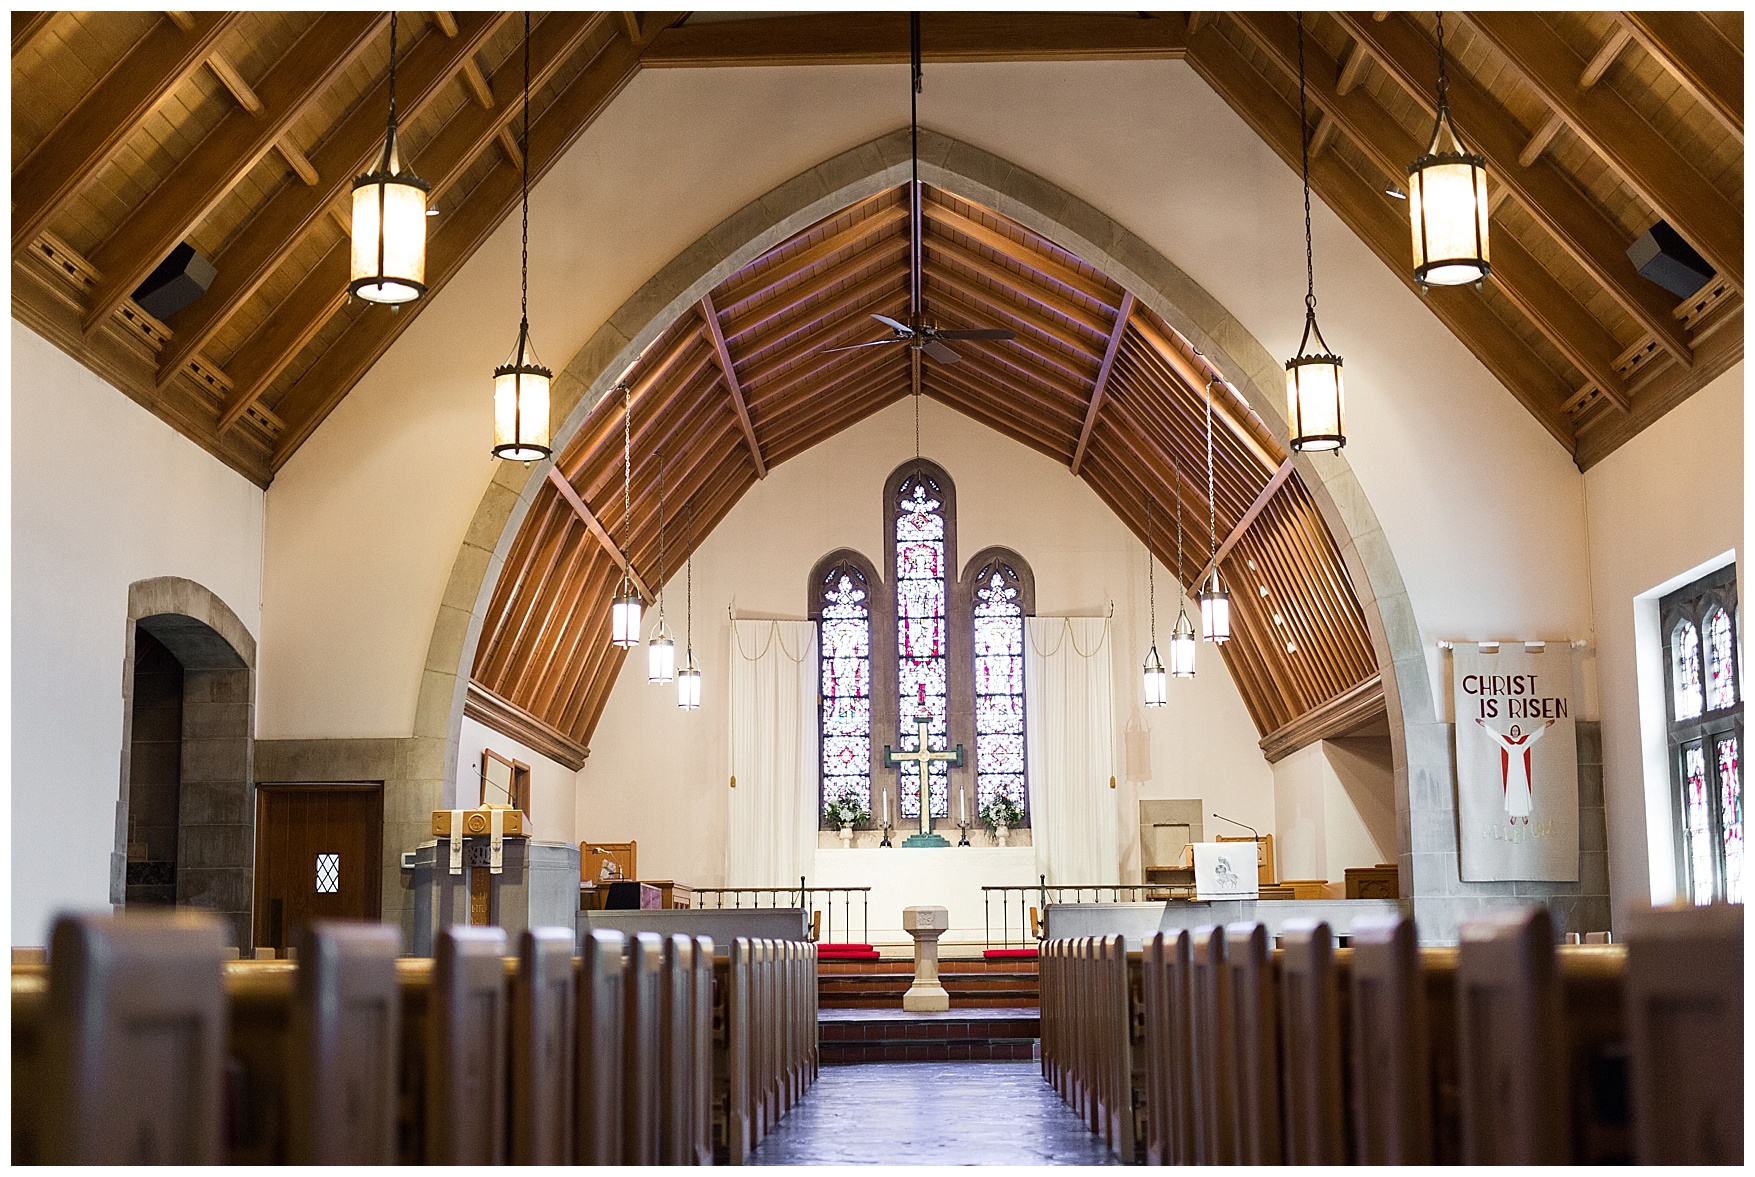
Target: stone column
x,y
926,925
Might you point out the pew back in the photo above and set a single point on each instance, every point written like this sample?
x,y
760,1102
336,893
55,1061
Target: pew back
x,y
544,1037
346,1022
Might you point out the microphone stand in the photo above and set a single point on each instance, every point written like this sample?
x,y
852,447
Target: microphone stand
x,y
1252,834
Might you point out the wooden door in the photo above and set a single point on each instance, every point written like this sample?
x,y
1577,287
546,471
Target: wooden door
x,y
319,855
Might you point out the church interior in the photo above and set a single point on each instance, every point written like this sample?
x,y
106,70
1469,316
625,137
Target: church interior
x,y
666,588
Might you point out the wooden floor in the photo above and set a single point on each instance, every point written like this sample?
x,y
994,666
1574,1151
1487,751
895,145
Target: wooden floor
x,y
931,1114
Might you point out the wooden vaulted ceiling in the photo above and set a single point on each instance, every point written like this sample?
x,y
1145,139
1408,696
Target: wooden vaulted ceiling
x,y
240,132
745,381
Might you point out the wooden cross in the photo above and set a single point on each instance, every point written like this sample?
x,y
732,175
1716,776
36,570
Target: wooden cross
x,y
924,757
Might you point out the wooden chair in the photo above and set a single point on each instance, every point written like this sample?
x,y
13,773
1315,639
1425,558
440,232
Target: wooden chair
x,y
1391,1064
602,1012
1310,1021
1255,1077
1213,1052
545,1042
1510,1056
641,982
466,1048
345,1046
1684,1001
134,1041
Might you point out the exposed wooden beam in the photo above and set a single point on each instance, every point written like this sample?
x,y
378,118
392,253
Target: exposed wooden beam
x,y
1324,133
447,23
1593,240
323,385
1346,712
1255,508
232,80
1102,382
597,530
1352,69
28,26
1566,323
477,83
729,371
274,233
184,20
1646,160
1604,57
868,38
71,155
296,159
441,162
1195,381
1361,205
179,203
631,25
1538,143
515,723
509,144
1695,53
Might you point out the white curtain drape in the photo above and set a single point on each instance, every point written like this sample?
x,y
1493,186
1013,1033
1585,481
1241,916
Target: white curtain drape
x,y
773,826
1070,745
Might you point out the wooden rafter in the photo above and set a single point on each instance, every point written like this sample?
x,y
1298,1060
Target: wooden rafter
x,y
225,155
1646,160
1102,382
1696,55
729,371
866,38
27,27
1249,517
1587,233
67,159
597,530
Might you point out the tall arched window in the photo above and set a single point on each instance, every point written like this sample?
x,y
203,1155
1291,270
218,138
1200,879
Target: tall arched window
x,y
1706,735
921,505
1001,593
843,595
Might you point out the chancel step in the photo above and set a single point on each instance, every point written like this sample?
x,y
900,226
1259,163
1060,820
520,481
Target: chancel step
x,y
880,984
892,1036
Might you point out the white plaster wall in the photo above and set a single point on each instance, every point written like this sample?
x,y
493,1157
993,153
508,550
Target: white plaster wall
x,y
553,786
1665,503
1334,808
657,775
134,500
1482,508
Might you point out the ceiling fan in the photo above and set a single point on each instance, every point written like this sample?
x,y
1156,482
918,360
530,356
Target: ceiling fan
x,y
919,332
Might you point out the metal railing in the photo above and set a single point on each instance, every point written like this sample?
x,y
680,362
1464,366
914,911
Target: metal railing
x,y
810,899
1013,904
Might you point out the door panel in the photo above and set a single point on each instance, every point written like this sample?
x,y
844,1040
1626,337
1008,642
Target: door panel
x,y
319,853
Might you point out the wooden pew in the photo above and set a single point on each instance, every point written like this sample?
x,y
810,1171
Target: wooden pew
x,y
1255,1073
345,1025
600,1019
676,1087
701,1052
544,1045
1391,1056
640,1068
1214,1052
466,1048
1310,1027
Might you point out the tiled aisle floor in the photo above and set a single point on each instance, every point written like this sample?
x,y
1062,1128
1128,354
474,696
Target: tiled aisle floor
x,y
931,1114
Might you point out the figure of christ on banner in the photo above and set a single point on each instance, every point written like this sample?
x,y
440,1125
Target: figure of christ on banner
x,y
1514,767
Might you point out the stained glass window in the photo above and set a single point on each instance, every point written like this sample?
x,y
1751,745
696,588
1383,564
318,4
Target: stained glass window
x,y
328,874
1685,669
1721,680
999,685
1730,785
844,643
921,664
1701,852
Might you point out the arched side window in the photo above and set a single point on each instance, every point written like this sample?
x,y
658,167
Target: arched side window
x,y
920,535
1706,736
1001,592
844,593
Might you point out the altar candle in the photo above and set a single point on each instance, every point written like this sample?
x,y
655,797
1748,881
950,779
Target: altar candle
x,y
886,809
963,804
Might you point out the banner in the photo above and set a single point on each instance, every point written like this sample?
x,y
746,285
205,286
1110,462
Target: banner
x,y
1226,870
1516,764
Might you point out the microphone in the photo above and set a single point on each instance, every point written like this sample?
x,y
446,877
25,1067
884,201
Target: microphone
x,y
1241,825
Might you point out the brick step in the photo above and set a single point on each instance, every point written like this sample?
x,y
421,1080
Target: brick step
x,y
853,1036
839,1053
1024,1000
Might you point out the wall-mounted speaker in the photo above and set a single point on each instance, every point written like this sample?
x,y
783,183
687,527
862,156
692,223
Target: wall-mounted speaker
x,y
1663,257
179,280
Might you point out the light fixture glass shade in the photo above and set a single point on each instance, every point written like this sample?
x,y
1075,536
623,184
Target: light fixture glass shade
x,y
1447,209
389,253
1315,399
660,655
1215,611
624,618
1157,683
1182,645
521,404
688,688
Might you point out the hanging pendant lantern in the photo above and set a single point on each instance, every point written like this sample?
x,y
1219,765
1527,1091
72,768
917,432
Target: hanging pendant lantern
x,y
624,617
389,232
1314,399
1182,645
688,679
688,688
521,383
1215,611
1157,683
660,651
625,610
1447,201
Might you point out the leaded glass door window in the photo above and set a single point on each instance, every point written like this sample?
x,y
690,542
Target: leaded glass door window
x,y
1703,689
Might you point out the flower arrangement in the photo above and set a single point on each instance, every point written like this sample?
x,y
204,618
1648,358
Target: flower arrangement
x,y
1002,810
846,809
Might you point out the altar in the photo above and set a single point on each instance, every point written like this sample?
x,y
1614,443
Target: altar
x,y
951,877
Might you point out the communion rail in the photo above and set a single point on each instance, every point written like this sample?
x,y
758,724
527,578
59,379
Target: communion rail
x,y
812,900
1014,903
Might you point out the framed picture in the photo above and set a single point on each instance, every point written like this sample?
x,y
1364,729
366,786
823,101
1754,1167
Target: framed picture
x,y
504,782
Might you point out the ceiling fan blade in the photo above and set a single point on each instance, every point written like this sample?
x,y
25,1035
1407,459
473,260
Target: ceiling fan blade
x,y
851,346
940,352
982,333
893,325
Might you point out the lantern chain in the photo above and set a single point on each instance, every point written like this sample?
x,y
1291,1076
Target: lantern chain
x,y
1304,141
524,254
689,613
1176,489
392,69
627,486
1151,563
1443,82
660,589
1212,509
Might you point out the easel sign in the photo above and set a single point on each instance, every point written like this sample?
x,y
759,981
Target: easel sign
x,y
1226,870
